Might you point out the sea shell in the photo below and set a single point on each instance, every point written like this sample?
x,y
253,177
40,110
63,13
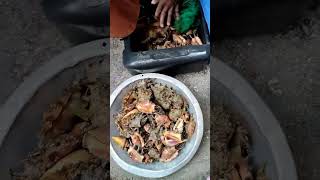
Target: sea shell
x,y
120,141
170,138
134,155
146,107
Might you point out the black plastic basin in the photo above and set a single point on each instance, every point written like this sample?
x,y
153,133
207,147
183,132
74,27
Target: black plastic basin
x,y
156,60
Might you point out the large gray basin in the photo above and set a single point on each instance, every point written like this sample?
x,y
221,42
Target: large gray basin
x,y
21,114
269,145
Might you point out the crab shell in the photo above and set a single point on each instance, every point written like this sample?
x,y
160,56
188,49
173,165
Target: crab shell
x,y
168,154
134,155
146,107
162,120
137,139
171,139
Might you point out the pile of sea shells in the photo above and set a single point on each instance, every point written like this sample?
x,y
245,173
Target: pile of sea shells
x,y
154,123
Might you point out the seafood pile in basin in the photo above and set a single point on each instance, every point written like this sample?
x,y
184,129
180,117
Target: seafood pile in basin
x,y
230,148
74,135
167,37
154,123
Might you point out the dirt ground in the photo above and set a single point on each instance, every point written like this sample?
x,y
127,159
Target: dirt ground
x,y
27,41
284,69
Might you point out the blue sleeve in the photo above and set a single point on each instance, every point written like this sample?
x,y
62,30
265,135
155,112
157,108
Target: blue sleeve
x,y
205,4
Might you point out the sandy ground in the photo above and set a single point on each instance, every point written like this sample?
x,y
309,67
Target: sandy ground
x,y
27,41
199,84
284,69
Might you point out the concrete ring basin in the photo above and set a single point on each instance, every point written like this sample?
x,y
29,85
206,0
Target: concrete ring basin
x,y
269,144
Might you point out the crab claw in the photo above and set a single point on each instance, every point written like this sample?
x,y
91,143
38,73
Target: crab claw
x,y
168,154
146,107
171,139
120,141
137,139
134,155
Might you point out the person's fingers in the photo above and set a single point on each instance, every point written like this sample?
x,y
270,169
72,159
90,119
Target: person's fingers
x,y
163,15
154,1
176,11
159,9
169,17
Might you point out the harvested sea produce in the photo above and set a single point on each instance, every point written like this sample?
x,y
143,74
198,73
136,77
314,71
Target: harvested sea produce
x,y
183,31
74,135
167,37
154,123
230,146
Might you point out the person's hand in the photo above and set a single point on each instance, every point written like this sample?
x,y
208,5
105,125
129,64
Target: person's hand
x,y
166,9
